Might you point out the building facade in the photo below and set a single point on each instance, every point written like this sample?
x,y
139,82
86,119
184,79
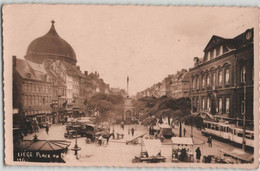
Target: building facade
x,y
180,84
222,81
175,85
32,89
48,86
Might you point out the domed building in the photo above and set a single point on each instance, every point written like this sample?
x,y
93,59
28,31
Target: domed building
x,y
50,46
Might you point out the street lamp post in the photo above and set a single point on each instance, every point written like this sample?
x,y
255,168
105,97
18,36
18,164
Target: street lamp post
x,y
76,148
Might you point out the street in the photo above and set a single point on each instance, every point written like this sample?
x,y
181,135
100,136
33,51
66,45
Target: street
x,y
117,151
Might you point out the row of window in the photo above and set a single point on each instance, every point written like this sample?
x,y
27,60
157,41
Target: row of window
x,y
208,79
30,100
222,104
214,53
32,87
33,112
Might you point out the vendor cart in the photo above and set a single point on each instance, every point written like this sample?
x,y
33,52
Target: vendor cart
x,y
150,152
236,156
182,149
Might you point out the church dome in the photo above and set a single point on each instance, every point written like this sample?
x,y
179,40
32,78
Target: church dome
x,y
50,46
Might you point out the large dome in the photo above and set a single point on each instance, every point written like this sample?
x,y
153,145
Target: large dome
x,y
50,46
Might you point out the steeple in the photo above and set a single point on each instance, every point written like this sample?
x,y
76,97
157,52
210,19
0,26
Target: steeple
x,y
52,30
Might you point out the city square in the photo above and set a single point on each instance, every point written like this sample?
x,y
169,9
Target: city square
x,y
84,95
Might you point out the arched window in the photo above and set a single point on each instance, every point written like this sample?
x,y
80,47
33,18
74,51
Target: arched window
x,y
227,105
213,79
214,53
207,81
197,83
203,80
220,78
243,74
204,103
208,104
227,76
220,105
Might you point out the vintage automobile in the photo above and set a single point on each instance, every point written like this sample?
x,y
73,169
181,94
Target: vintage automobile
x,y
84,129
166,131
71,134
88,130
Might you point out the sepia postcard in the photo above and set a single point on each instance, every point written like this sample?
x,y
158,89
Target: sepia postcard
x,y
131,86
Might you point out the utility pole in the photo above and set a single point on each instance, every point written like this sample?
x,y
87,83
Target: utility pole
x,y
180,131
244,117
191,130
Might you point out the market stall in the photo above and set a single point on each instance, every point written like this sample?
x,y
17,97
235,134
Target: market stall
x,y
150,151
182,149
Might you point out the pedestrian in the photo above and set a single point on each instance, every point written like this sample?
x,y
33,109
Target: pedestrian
x,y
210,141
108,137
100,140
133,131
198,154
150,130
128,130
47,129
184,132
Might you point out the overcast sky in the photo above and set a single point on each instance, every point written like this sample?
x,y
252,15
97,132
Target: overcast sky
x,y
147,43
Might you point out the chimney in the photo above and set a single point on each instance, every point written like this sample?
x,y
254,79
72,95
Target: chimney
x,y
95,73
14,61
86,73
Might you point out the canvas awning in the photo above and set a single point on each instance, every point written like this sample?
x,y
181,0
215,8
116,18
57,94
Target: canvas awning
x,y
239,154
152,146
43,145
182,141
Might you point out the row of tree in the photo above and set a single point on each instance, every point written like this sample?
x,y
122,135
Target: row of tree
x,y
175,110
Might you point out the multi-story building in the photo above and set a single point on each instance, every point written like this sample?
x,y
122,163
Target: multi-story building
x,y
222,81
176,86
32,89
48,85
181,84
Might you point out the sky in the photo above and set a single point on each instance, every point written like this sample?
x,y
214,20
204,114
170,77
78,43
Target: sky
x,y
146,43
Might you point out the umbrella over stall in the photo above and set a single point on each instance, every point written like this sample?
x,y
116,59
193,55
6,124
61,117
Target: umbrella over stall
x,y
41,150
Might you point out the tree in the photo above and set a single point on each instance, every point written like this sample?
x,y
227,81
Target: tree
x,y
175,109
107,104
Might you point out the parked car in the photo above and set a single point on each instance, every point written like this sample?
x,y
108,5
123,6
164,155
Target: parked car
x,y
71,134
166,131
